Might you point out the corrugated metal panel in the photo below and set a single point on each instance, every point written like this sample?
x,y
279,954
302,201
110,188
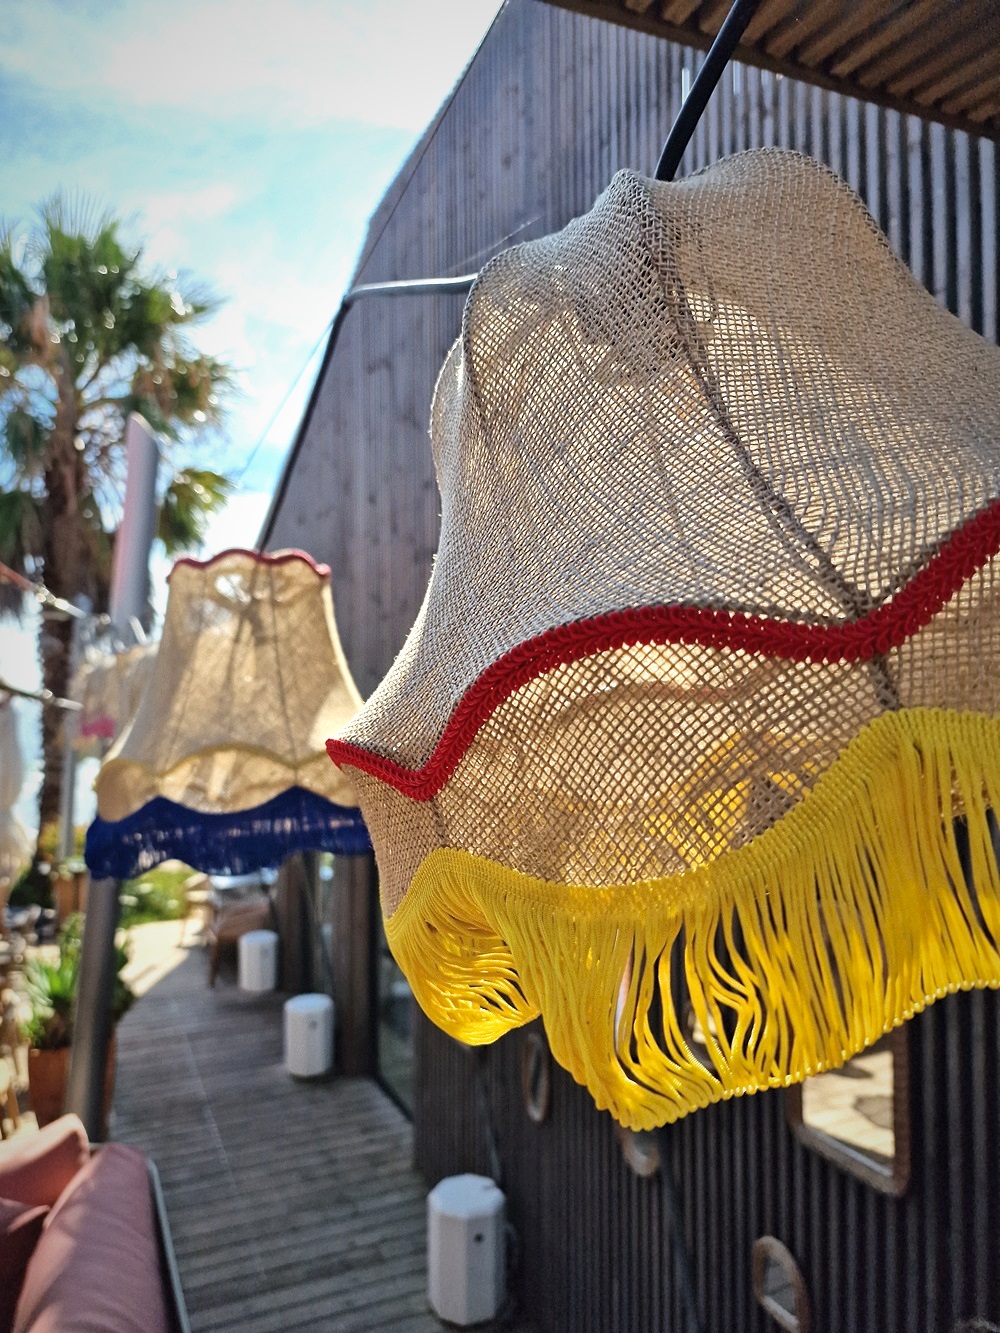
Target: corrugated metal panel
x,y
596,1253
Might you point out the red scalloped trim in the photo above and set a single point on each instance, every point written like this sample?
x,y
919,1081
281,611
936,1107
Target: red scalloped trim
x,y
959,557
259,557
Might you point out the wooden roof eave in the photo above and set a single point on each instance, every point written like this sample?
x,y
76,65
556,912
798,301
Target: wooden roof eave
x,y
940,62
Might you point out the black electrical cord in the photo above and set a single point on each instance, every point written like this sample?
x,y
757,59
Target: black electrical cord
x,y
708,76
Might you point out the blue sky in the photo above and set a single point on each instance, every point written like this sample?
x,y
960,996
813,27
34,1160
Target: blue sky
x,y
249,140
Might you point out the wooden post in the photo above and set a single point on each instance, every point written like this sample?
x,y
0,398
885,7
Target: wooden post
x,y
292,908
355,902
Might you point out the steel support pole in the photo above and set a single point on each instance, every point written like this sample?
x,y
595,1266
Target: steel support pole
x,y
71,729
93,1022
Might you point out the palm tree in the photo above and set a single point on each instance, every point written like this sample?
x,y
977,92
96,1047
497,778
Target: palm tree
x,y
87,336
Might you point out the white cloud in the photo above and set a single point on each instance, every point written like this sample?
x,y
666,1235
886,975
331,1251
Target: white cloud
x,y
382,62
239,523
201,205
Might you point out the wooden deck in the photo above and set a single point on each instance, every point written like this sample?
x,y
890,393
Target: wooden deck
x,y
292,1205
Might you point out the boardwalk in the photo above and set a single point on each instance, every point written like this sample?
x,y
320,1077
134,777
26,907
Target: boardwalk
x,y
293,1206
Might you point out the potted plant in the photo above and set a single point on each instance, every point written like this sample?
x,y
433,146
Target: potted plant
x,y
47,1019
69,883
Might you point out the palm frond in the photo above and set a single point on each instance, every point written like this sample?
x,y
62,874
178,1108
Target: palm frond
x,y
20,529
189,501
24,434
20,543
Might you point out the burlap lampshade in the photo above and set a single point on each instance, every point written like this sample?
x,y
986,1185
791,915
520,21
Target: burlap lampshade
x,y
108,686
223,765
15,849
694,745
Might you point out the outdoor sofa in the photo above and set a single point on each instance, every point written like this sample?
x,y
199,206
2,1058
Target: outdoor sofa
x,y
84,1243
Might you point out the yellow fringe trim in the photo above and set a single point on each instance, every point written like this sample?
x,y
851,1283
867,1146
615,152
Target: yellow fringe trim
x,y
796,951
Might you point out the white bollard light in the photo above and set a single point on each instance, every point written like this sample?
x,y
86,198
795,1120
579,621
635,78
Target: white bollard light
x,y
466,1249
308,1035
258,960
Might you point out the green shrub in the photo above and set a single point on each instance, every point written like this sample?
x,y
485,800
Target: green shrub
x,y
156,896
50,988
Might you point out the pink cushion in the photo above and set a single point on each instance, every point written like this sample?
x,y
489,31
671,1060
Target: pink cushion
x,y
36,1168
96,1267
20,1227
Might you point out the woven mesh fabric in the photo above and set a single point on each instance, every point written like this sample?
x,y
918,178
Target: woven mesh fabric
x,y
108,687
249,680
720,489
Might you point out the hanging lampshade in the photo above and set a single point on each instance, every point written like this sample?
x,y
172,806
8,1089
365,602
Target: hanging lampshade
x,y
108,686
693,747
15,849
223,765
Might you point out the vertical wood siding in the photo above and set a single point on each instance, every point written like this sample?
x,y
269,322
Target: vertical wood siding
x,y
595,1251
552,106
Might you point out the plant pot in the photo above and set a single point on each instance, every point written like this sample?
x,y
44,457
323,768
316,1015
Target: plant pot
x,y
66,894
48,1072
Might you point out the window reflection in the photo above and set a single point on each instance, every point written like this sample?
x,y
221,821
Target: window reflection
x,y
779,1286
395,1024
858,1116
855,1104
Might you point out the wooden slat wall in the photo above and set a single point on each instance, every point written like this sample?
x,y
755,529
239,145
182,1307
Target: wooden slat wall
x,y
935,60
595,1251
553,105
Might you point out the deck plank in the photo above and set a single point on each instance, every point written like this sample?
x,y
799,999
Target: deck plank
x,y
293,1205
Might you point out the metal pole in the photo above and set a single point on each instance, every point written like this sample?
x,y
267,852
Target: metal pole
x,y
71,727
413,287
130,571
737,21
93,1022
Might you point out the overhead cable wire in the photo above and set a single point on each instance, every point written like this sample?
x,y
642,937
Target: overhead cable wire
x,y
44,697
463,283
281,406
42,594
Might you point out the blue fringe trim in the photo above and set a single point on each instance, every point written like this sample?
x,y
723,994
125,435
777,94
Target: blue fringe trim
x,y
240,843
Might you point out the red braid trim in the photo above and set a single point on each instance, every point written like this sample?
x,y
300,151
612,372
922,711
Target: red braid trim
x,y
957,559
